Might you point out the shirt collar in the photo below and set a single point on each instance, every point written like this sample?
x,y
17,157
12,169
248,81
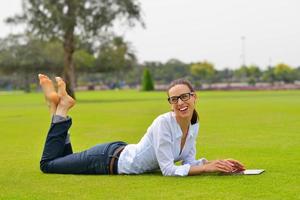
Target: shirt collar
x,y
192,128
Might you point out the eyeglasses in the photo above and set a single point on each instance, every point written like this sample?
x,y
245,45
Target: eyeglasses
x,y
183,97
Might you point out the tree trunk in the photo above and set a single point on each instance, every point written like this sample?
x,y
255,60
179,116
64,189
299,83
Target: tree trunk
x,y
69,48
69,73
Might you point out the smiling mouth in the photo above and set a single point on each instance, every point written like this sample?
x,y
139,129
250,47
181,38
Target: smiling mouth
x,y
183,109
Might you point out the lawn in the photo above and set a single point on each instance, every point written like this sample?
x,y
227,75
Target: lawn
x,y
261,129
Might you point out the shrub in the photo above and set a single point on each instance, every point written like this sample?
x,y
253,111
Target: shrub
x,y
147,82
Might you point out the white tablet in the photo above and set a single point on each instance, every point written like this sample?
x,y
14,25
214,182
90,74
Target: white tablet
x,y
251,171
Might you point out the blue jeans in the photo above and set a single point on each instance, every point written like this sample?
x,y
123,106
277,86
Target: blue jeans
x,y
58,157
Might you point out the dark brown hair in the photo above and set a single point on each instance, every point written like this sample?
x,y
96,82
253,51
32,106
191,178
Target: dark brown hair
x,y
195,116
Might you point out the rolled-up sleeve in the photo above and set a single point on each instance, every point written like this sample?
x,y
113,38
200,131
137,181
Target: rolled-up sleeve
x,y
163,150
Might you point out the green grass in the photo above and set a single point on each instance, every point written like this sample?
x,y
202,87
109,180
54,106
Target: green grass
x,y
261,129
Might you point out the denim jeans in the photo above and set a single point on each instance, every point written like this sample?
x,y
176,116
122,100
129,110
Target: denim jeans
x,y
58,157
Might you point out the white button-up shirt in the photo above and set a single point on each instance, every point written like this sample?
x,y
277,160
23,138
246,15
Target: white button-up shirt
x,y
160,148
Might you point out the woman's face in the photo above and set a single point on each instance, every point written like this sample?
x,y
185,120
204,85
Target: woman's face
x,y
184,107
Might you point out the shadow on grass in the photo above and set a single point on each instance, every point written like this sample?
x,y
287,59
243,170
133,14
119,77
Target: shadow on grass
x,y
156,174
206,175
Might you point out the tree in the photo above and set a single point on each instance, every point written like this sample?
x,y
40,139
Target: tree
x,y
68,19
225,75
115,54
285,73
298,73
204,71
174,69
167,72
253,74
84,61
241,74
25,55
115,58
147,82
268,75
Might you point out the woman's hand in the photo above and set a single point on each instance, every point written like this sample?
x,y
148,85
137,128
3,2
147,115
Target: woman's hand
x,y
218,166
227,166
237,165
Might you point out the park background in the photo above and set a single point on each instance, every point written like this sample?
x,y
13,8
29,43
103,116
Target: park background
x,y
249,108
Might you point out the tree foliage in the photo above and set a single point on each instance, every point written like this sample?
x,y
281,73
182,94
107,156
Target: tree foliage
x,y
225,75
250,74
84,61
268,75
26,55
166,72
285,73
115,54
68,19
203,71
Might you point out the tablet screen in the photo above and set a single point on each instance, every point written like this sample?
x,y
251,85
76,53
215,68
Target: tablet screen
x,y
253,171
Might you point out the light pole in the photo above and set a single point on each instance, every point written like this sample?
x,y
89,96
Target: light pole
x,y
243,56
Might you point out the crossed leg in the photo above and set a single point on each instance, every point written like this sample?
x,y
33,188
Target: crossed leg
x,y
57,145
58,156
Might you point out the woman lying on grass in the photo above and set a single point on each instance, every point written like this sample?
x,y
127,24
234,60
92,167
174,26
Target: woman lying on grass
x,y
170,138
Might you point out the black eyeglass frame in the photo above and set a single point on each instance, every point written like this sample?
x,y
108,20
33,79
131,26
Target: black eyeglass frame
x,y
180,97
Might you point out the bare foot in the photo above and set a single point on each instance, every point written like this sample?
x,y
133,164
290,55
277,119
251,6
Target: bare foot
x,y
66,102
49,91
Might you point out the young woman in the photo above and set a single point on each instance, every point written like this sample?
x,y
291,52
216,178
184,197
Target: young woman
x,y
170,138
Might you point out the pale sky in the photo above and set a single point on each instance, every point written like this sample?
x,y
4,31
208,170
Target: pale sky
x,y
197,30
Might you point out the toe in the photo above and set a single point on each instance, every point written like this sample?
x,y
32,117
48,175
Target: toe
x,y
60,81
43,78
